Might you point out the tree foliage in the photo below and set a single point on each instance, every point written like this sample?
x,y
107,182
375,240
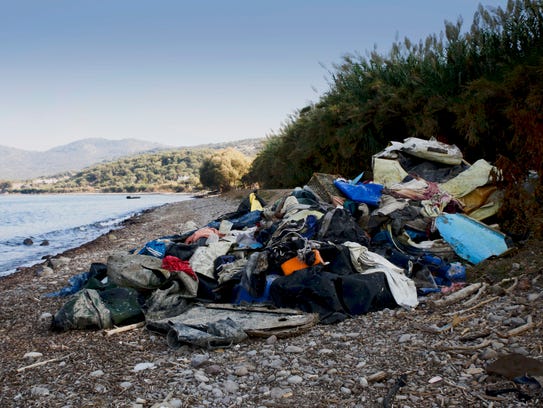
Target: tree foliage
x,y
175,170
224,169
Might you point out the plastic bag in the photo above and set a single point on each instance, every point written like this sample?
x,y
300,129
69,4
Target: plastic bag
x,y
368,193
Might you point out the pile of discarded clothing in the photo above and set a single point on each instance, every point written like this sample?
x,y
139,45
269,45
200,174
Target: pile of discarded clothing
x,y
332,249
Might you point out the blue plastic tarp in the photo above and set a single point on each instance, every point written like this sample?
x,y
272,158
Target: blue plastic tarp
x,y
470,239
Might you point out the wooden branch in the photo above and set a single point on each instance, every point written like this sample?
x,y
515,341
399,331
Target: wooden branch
x,y
378,376
481,345
40,363
484,302
472,301
517,330
122,329
461,294
513,286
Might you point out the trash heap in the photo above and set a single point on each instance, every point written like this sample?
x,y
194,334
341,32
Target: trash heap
x,y
330,250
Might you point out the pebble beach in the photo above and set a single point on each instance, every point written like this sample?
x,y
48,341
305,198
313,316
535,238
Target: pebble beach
x,y
433,356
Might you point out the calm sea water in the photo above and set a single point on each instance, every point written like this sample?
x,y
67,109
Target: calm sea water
x,y
66,221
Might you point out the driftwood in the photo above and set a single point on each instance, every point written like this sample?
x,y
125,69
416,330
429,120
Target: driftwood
x,y
484,302
481,345
122,329
378,376
525,327
456,296
473,300
513,286
40,363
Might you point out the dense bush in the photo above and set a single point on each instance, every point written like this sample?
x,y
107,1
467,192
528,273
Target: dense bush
x,y
223,170
479,89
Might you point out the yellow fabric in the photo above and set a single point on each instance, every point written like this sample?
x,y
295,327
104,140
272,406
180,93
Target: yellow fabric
x,y
255,204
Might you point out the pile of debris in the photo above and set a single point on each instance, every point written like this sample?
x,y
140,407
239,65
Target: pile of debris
x,y
332,249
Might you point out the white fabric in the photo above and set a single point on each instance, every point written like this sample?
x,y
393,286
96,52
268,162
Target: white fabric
x,y
402,288
203,258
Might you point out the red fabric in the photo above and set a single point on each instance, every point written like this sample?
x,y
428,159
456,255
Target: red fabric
x,y
174,264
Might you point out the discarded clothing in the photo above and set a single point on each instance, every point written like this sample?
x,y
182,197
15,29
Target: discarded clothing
x,y
92,309
402,288
334,297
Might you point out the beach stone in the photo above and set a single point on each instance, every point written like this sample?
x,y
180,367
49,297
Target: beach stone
x,y
100,389
176,403
28,241
404,338
44,243
277,393
241,371
514,321
272,339
345,390
46,316
231,386
97,373
520,350
46,271
200,377
126,384
39,391
295,379
143,366
212,369
293,349
33,354
199,360
59,262
205,387
489,354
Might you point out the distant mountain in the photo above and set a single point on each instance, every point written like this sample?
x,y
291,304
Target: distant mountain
x,y
17,164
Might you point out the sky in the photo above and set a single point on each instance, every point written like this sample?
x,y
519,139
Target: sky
x,y
186,72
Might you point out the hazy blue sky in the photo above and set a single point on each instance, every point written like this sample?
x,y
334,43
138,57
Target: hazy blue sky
x,y
185,72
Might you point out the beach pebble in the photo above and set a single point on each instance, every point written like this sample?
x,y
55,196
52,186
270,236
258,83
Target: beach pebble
x,y
231,386
271,340
200,377
199,360
97,373
488,354
126,384
176,403
212,369
143,366
39,391
33,354
277,393
46,271
241,371
59,262
293,349
28,241
100,389
45,317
